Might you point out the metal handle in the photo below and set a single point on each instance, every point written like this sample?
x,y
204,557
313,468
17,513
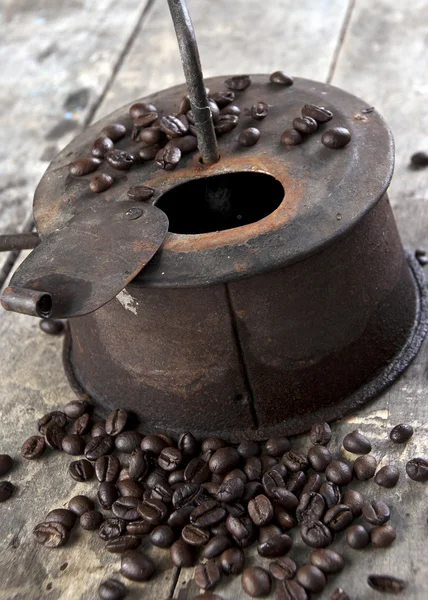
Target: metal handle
x,y
18,241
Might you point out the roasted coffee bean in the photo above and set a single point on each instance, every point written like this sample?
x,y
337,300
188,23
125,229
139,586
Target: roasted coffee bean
x,y
91,520
101,146
276,446
127,508
208,513
419,159
231,490
255,582
338,517
386,583
83,166
33,448
207,575
111,529
274,546
142,122
232,109
152,510
401,433
319,113
339,594
195,536
80,504
281,78
249,137
98,429
138,465
168,158
331,493
283,568
111,589
116,421
122,544
100,183
170,458
181,516
187,444
115,131
51,535
56,416
238,82
311,507
141,108
239,527
364,467
182,554
354,500
291,137
328,561
295,461
153,444
382,536
140,192
417,469
212,488
306,125
63,516
6,490
316,534
235,474
73,444
357,537
5,464
128,441
336,138
232,561
226,123
283,517
129,487
223,98
260,510
149,152
51,326
319,458
311,578
185,144
152,135
320,433
216,546
75,409
236,509
251,490
173,127
259,111
197,471
290,590
136,566
120,160
268,462
223,460
80,425
107,494
139,527
296,482
312,484
54,434
81,470
184,105
376,512
187,494
357,443
339,472
107,468
387,476
99,446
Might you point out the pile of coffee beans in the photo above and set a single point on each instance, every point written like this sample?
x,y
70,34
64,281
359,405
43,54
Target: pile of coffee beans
x,y
209,500
6,487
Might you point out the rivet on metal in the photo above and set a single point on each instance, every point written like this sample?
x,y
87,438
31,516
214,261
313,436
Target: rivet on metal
x,y
133,213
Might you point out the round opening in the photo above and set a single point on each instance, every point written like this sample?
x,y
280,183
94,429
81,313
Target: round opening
x,y
221,202
44,306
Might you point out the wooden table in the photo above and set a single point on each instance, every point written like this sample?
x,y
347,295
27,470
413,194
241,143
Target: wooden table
x,y
65,64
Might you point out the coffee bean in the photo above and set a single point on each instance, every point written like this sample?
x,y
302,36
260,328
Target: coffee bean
x,y
376,512
268,462
181,516
120,160
223,98
260,510
5,464
80,504
187,494
255,582
357,537
107,494
136,566
170,458
316,534
283,517
162,536
357,443
223,460
241,528
83,166
249,137
311,578
235,474
100,183
338,517
99,446
107,468
419,159
382,536
140,192
128,441
152,135
251,490
207,575
275,546
216,546
339,594
51,326
401,433
296,482
331,493
328,561
140,527
182,554
168,158
98,429
153,444
149,152
336,138
111,589
417,469
276,446
290,590
185,144
33,448
91,520
141,108
187,444
122,544
354,500
80,425
231,109
226,123
295,461
319,458
386,583
259,111
230,490
54,434
319,113
281,78
51,535
312,484
238,82
195,536
320,432
163,491
364,467
56,416
6,490
311,507
143,121
73,444
63,516
111,529
283,568
115,131
75,409
173,127
116,421
339,472
151,510
101,146
387,476
81,470
291,137
127,508
305,125
208,513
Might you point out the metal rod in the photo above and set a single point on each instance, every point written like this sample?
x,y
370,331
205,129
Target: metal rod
x,y
18,241
207,141
27,301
